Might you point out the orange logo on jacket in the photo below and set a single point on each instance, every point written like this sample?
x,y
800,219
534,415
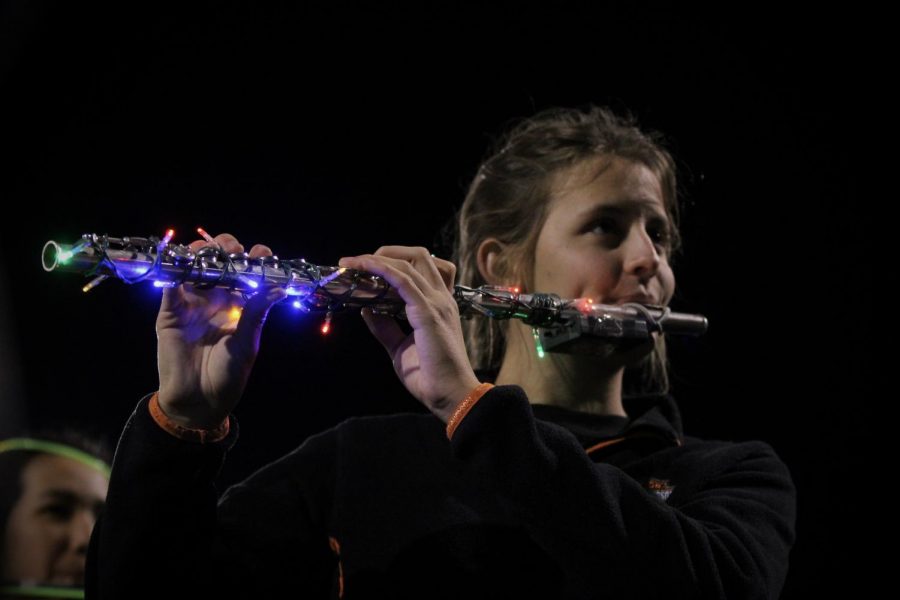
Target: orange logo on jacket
x,y
661,487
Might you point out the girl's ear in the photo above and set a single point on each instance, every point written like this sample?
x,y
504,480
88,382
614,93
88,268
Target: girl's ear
x,y
491,258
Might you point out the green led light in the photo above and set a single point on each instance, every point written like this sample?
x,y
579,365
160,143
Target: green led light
x,y
537,342
65,256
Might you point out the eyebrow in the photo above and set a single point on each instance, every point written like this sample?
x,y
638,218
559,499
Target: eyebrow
x,y
70,497
62,495
630,205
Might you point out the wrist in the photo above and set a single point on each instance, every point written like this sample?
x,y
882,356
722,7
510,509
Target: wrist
x,y
465,406
455,397
189,415
193,434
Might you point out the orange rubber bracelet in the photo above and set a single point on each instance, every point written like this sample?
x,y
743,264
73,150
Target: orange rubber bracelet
x,y
465,406
202,436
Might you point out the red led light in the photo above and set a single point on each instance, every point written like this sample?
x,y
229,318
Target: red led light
x,y
326,326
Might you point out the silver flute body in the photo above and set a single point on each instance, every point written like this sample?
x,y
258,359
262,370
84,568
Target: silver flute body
x,y
560,322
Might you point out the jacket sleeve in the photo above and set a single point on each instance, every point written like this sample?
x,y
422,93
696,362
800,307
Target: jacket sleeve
x,y
164,532
729,538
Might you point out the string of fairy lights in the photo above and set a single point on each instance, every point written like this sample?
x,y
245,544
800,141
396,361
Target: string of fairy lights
x,y
557,324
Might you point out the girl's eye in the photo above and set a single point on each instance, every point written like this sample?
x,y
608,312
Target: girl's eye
x,y
660,235
604,226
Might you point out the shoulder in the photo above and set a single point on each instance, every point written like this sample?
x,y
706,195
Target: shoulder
x,y
398,421
728,449
385,434
314,466
375,434
736,461
359,431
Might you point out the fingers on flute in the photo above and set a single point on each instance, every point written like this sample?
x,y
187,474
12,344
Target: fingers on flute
x,y
417,256
447,270
444,269
255,313
172,298
260,250
227,242
432,270
410,283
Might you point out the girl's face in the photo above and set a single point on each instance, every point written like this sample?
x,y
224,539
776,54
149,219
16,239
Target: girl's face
x,y
606,235
49,527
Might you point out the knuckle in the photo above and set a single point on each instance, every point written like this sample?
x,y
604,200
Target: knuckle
x,y
448,311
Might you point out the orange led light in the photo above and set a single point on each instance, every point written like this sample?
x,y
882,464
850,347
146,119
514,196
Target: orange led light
x,y
205,235
94,283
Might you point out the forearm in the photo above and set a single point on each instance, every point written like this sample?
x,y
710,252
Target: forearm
x,y
165,532
159,522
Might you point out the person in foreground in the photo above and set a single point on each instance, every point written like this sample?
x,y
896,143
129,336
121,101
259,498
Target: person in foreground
x,y
564,477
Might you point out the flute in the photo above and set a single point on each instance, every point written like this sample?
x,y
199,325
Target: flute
x,y
559,325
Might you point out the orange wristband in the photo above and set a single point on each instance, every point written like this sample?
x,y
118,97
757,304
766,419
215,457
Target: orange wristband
x,y
465,406
203,436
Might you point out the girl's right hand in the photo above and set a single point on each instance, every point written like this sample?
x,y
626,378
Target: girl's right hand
x,y
207,344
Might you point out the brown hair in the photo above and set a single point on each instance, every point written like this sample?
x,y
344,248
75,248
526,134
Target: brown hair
x,y
508,200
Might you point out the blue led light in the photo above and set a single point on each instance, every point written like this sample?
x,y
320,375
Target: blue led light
x,y
251,283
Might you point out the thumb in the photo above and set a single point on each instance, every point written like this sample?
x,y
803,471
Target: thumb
x,y
172,298
385,329
254,314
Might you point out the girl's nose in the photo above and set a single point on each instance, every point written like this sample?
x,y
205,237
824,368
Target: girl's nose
x,y
641,255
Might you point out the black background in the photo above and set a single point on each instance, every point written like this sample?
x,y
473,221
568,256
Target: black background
x,y
329,129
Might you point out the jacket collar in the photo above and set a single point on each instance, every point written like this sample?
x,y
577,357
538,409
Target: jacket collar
x,y
655,416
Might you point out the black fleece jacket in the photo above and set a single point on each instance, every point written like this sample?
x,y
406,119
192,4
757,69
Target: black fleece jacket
x,y
525,500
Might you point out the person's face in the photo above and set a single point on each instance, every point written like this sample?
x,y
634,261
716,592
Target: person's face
x,y
605,237
49,527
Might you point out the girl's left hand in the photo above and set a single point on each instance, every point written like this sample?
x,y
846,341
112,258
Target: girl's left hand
x,y
431,361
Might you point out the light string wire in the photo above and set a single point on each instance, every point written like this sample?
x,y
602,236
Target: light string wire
x,y
175,264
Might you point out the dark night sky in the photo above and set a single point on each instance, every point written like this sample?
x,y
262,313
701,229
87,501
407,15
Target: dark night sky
x,y
329,130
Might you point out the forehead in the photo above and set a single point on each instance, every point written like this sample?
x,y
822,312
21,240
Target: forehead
x,y
608,181
47,472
